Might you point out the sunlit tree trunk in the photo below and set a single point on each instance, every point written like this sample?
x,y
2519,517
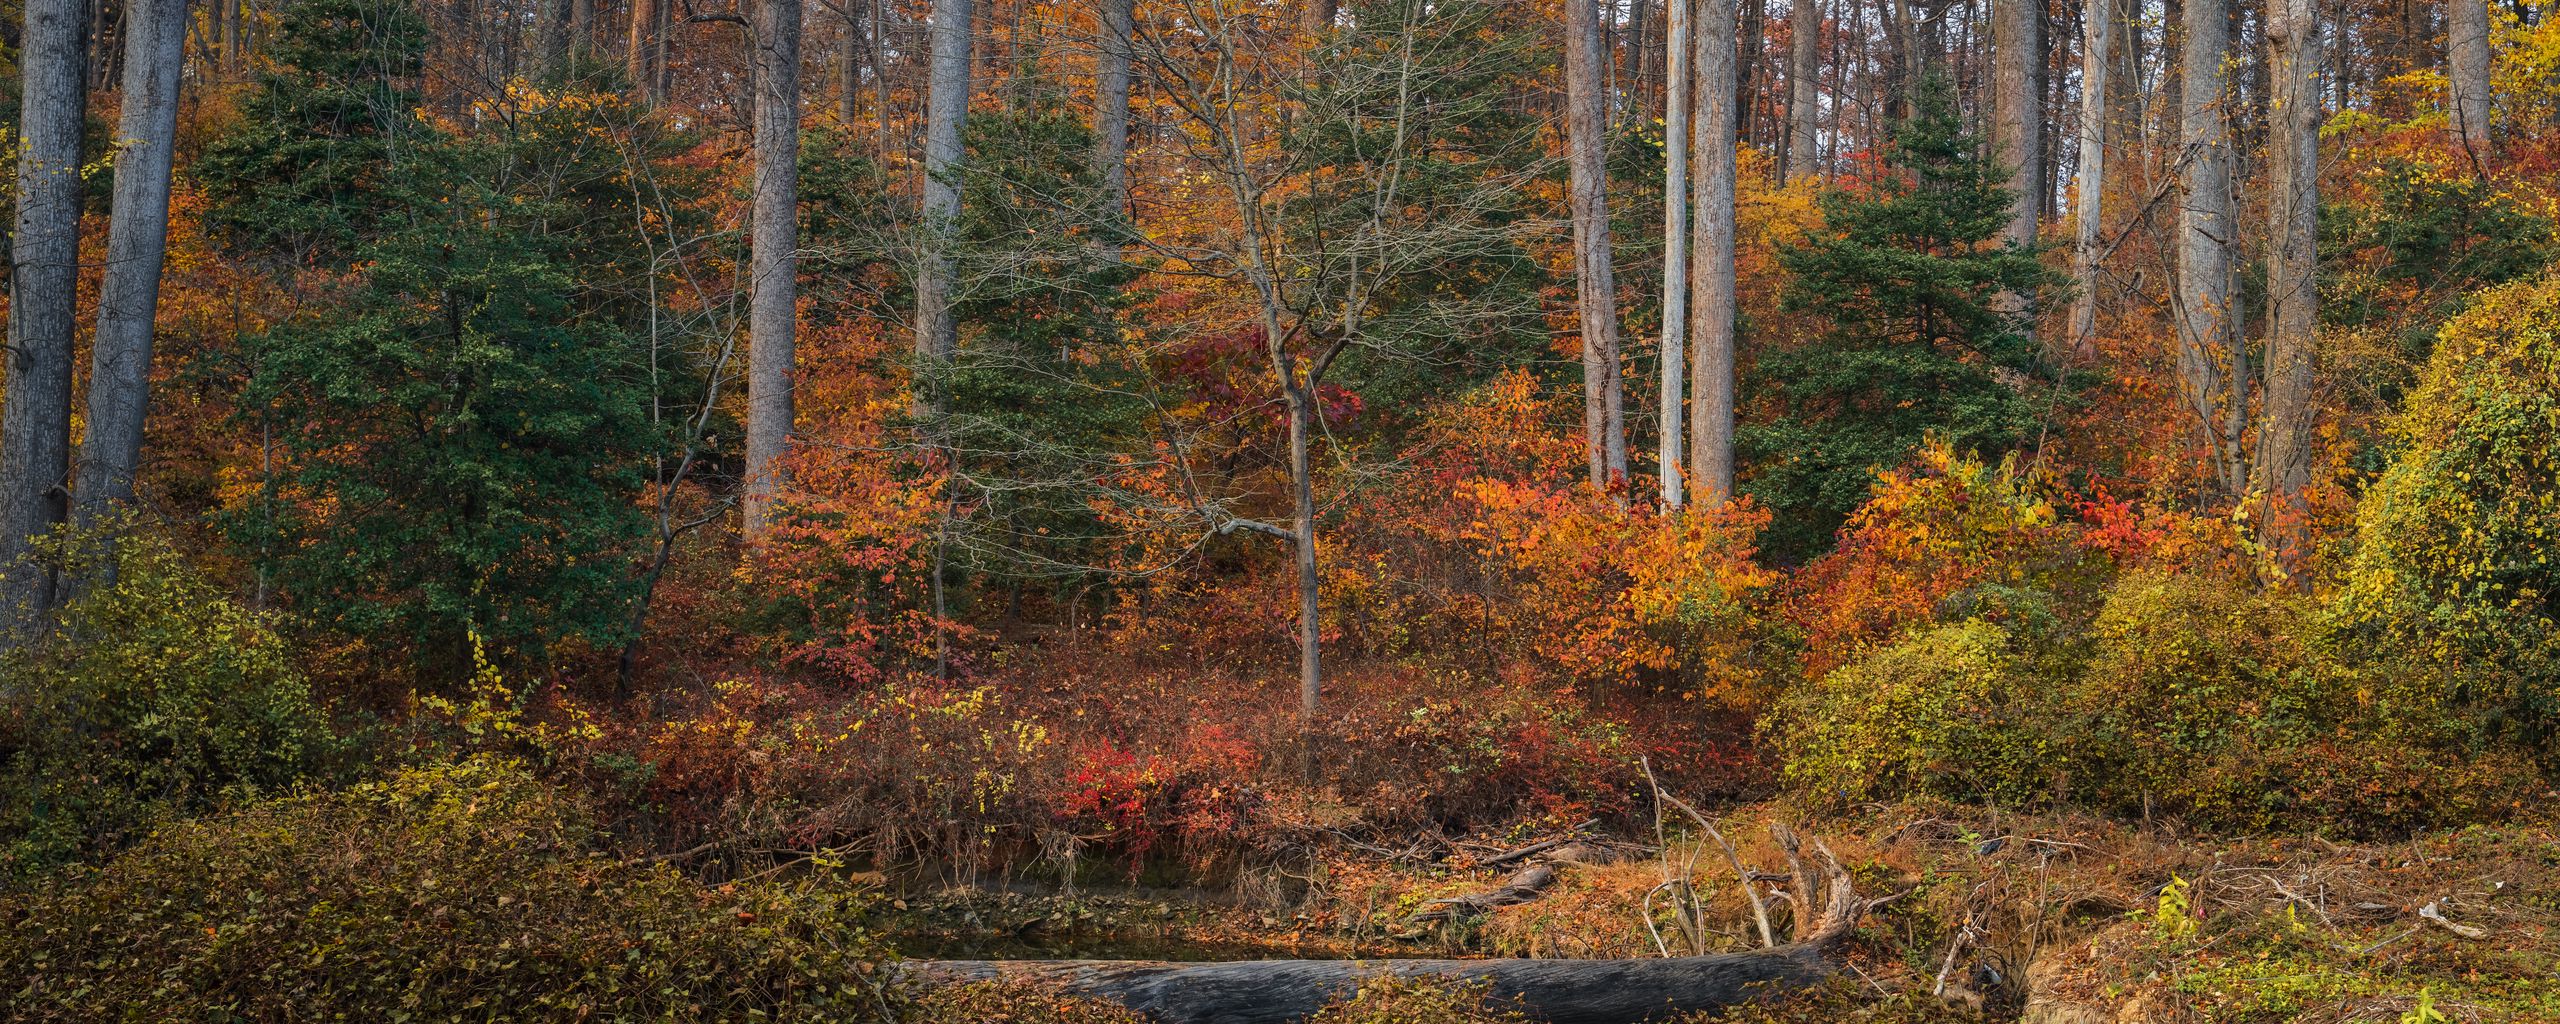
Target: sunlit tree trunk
x,y
772,254
2088,205
1804,70
1111,105
35,415
2212,368
1711,146
2017,120
2466,39
946,107
2293,166
1586,127
1677,91
137,244
642,54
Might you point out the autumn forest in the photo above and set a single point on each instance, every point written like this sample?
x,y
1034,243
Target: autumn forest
x,y
1256,511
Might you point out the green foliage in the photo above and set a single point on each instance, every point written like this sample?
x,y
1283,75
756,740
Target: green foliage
x,y
2407,247
463,433
2455,571
454,892
1909,275
313,166
156,697
1928,715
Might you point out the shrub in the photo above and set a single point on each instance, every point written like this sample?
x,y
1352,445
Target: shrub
x,y
456,892
2455,570
157,696
1930,715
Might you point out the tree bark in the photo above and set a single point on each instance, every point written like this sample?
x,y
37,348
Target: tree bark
x,y
1319,17
1804,28
1677,91
2466,38
1111,106
44,278
1302,500
1711,147
2088,203
773,269
2017,120
1586,127
2293,166
2212,368
946,108
642,54
137,245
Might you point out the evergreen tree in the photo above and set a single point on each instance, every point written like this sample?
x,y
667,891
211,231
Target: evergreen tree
x,y
1906,274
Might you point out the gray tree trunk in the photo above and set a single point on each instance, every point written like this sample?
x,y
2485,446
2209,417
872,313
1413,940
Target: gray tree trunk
x,y
946,108
1586,126
2017,120
2466,39
137,245
44,277
2212,368
1111,105
1677,90
2293,167
773,266
1711,148
2088,204
852,54
1804,70
1302,500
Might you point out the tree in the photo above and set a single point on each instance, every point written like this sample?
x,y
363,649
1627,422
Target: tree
x,y
1111,104
773,273
1711,313
1677,92
1909,277
2466,73
44,275
946,109
137,245
2293,170
2088,203
1804,72
2017,120
2213,369
1586,129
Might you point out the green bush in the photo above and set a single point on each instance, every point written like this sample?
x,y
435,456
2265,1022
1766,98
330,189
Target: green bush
x,y
156,696
447,893
1931,714
2455,573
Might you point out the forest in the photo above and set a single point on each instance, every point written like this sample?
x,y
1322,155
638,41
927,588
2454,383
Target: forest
x,y
1257,511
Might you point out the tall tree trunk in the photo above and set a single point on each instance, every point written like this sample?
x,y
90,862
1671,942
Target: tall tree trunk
x,y
1586,126
2017,120
2088,204
137,245
1319,16
1711,146
2212,368
946,107
1302,500
2293,157
555,35
2466,39
1111,106
1804,68
641,53
773,264
1678,88
44,278
582,28
851,56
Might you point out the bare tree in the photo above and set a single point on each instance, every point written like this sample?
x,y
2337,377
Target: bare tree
x,y
137,245
2466,73
1677,91
772,247
2213,370
2293,166
2088,204
1586,127
1711,152
44,276
1804,71
946,108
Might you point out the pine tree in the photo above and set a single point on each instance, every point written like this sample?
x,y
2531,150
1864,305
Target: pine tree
x,y
1908,274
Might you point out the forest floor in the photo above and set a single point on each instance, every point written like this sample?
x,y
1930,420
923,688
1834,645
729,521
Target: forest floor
x,y
2047,919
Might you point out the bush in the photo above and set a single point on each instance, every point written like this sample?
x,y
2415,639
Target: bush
x,y
157,696
1930,715
456,892
2455,571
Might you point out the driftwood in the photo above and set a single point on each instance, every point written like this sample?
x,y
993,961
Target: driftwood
x,y
1524,885
1557,991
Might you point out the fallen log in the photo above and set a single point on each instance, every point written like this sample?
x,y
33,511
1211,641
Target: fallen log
x,y
1556,991
1523,886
